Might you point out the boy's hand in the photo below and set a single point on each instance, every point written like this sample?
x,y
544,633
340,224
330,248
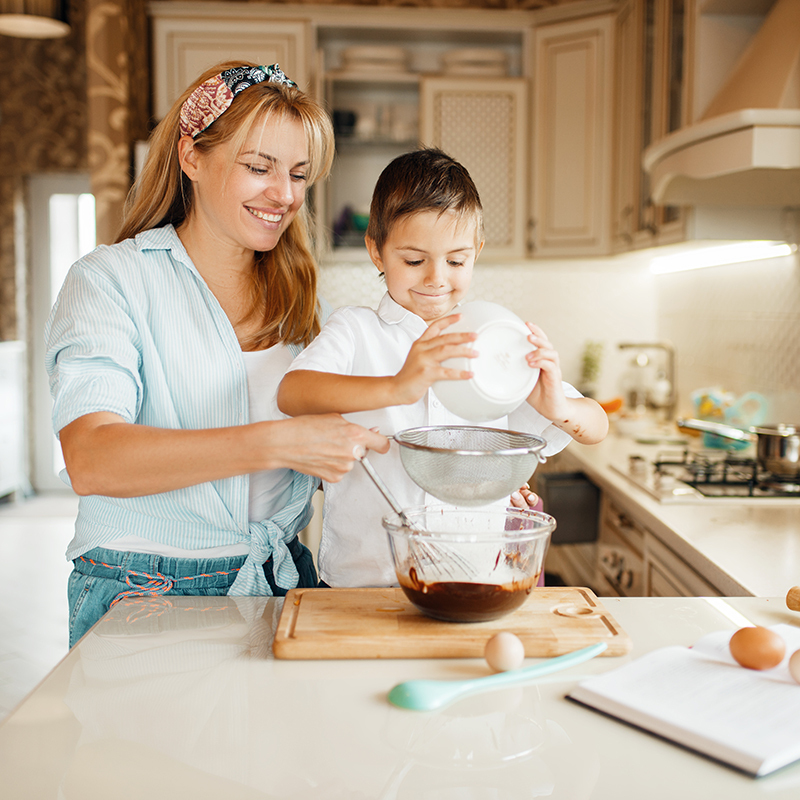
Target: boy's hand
x,y
548,396
423,366
524,498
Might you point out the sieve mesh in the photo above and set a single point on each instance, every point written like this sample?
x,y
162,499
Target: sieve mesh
x,y
469,466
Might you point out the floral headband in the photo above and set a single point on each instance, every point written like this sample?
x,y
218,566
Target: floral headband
x,y
210,99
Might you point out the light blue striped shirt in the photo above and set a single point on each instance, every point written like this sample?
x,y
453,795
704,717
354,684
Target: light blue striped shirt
x,y
137,332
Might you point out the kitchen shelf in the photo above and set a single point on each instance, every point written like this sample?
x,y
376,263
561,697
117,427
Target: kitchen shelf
x,y
375,141
377,77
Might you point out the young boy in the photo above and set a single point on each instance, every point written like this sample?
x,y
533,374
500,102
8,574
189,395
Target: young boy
x,y
377,366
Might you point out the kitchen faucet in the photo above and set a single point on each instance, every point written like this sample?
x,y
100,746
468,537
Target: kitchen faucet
x,y
669,349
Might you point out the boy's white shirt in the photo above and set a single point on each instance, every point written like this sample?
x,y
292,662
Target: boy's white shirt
x,y
354,550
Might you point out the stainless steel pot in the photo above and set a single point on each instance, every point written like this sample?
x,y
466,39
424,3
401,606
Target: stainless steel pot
x,y
777,446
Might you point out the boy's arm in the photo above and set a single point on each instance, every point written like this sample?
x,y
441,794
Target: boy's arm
x,y
584,420
312,392
305,391
581,417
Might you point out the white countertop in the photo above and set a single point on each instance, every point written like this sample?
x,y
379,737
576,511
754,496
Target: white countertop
x,y
740,546
180,697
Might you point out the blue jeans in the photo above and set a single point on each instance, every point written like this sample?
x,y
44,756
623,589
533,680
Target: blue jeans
x,y
93,587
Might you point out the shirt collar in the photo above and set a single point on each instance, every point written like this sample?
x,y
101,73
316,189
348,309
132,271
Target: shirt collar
x,y
392,313
164,238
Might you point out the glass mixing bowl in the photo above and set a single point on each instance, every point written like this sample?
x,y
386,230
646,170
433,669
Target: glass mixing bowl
x,y
469,564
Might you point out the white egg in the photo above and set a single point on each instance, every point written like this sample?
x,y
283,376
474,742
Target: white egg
x,y
504,651
794,665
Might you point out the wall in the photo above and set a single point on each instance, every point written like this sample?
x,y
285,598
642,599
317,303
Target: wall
x,y
605,300
736,327
42,129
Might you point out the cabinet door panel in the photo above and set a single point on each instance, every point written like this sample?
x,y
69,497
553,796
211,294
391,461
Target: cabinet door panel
x,y
667,575
184,47
482,123
572,137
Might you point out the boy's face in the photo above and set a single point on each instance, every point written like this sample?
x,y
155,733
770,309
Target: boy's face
x,y
427,261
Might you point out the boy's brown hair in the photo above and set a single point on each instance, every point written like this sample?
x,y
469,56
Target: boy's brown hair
x,y
423,180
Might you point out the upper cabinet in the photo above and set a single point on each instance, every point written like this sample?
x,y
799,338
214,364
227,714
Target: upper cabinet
x,y
525,99
572,117
186,42
483,122
652,99
392,90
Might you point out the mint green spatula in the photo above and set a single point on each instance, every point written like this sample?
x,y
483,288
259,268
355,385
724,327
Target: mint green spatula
x,y
428,695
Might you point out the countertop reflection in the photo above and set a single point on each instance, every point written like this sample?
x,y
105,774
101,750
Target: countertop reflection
x,y
182,696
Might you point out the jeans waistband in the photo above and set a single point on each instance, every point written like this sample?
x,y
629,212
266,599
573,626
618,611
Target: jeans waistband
x,y
147,574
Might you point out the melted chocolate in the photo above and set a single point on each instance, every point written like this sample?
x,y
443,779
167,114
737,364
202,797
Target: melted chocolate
x,y
453,601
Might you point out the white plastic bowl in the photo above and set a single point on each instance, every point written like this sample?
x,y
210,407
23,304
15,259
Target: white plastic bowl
x,y
502,379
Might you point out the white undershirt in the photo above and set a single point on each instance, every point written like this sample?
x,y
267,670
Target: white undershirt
x,y
269,490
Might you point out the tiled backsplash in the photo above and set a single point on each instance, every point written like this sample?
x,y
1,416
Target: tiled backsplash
x,y
572,301
736,327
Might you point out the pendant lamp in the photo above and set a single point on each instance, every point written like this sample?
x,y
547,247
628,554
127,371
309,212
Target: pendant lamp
x,y
33,19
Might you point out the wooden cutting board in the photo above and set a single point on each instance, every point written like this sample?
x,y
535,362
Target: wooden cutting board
x,y
382,623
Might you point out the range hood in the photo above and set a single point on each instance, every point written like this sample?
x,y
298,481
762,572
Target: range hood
x,y
745,150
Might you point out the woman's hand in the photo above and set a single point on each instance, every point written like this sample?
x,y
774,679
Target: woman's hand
x,y
423,365
106,455
326,445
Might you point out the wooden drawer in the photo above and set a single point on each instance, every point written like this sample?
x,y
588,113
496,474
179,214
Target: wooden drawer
x,y
668,575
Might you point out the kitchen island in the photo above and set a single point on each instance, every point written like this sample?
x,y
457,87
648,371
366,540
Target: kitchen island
x,y
181,697
734,546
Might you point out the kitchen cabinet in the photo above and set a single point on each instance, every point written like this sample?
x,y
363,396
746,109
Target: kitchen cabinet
x,y
653,40
572,137
482,122
636,563
479,120
668,575
187,41
630,557
567,495
545,183
620,550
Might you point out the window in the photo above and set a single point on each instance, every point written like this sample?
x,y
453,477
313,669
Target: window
x,y
62,215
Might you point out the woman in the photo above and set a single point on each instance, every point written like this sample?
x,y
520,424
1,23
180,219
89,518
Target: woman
x,y
165,351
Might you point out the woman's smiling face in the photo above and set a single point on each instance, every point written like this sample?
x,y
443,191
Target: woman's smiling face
x,y
427,261
248,201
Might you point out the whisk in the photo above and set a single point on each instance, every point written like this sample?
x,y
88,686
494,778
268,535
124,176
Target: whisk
x,y
425,554
461,465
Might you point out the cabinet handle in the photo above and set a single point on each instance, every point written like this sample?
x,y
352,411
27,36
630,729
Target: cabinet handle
x,y
650,223
531,238
626,224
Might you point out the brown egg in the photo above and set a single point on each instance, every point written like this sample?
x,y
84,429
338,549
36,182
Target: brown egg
x,y
757,647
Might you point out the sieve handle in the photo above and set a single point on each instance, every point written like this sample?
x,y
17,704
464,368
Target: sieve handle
x,y
388,496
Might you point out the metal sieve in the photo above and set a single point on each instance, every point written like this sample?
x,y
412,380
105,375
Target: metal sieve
x,y
469,466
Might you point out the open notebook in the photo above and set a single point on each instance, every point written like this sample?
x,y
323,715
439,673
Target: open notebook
x,y
702,699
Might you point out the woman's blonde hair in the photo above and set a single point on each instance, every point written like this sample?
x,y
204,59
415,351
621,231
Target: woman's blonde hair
x,y
284,278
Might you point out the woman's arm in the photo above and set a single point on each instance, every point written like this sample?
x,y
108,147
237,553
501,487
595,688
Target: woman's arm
x,y
106,455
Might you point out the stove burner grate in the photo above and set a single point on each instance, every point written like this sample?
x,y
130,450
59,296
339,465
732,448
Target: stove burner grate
x,y
719,473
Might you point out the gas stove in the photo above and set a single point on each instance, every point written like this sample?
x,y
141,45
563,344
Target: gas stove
x,y
699,476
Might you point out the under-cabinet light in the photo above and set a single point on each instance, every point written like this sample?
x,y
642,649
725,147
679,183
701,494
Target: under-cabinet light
x,y
720,255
